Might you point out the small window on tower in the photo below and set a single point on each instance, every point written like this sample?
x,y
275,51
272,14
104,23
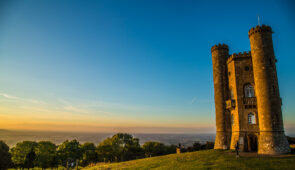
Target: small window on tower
x,y
247,68
251,118
249,90
229,73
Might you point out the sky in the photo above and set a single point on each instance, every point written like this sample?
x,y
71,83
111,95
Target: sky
x,y
129,66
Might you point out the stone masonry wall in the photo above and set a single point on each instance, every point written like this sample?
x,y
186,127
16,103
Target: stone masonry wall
x,y
271,139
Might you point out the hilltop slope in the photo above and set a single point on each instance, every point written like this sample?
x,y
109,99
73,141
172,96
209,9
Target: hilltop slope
x,y
215,159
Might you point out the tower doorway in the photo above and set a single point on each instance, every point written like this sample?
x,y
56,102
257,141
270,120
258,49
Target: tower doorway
x,y
252,143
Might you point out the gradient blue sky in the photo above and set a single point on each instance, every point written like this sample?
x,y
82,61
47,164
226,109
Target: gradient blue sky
x,y
134,66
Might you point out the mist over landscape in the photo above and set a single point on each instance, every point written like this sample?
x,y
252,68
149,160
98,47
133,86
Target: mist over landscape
x,y
11,137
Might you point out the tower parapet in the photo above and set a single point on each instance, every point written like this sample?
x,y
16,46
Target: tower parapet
x,y
260,29
219,57
246,54
271,139
219,47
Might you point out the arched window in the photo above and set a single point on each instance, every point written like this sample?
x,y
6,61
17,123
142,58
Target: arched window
x,y
251,118
249,91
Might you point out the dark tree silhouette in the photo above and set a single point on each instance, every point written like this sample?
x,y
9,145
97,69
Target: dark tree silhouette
x,y
5,157
45,154
120,147
30,158
89,154
197,146
69,152
22,154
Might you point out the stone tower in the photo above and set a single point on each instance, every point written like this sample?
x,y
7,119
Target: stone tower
x,y
271,139
219,56
247,99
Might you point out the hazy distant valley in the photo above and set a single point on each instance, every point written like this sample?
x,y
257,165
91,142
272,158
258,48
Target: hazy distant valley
x,y
12,137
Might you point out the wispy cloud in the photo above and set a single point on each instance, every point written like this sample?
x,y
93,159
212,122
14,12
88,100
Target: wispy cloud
x,y
9,96
95,108
35,101
193,100
68,106
16,98
82,108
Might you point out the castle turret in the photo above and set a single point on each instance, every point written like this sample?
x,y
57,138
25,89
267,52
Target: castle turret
x,y
271,139
219,56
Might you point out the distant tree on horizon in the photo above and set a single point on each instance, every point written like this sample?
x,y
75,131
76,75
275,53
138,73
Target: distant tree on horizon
x,y
30,159
153,149
120,147
89,154
170,149
69,152
209,145
23,155
197,146
291,140
5,157
46,154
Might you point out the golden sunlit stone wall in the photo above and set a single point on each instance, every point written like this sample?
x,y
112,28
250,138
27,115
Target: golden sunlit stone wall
x,y
219,56
231,73
272,139
240,73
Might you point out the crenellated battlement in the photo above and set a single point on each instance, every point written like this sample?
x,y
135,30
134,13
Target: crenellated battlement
x,y
263,28
219,47
245,54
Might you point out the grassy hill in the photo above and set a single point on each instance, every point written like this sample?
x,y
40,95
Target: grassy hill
x,y
208,159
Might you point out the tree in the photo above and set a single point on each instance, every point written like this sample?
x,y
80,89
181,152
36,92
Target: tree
x,y
171,149
132,149
153,149
120,147
30,158
209,145
23,154
106,151
291,140
54,163
5,161
89,154
197,146
45,154
69,151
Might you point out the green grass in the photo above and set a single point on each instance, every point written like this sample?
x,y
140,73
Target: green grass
x,y
208,159
59,168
